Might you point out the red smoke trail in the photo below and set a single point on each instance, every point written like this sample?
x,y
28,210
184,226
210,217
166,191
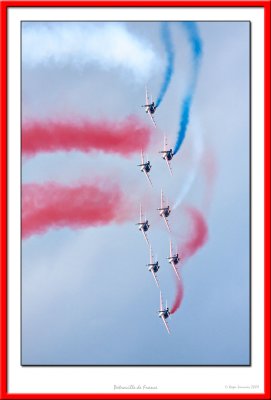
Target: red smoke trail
x,y
52,205
198,234
125,138
196,239
209,167
178,297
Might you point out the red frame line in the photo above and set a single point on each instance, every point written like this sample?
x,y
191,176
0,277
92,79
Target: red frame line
x,y
134,3
267,179
4,5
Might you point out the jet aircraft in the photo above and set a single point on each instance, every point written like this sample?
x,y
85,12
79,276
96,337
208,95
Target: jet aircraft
x,y
150,107
173,259
153,267
145,167
164,211
164,313
167,155
143,225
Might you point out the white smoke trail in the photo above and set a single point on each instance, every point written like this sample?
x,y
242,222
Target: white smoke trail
x,y
109,44
198,151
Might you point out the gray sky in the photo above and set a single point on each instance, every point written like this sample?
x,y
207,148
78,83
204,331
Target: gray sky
x,y
87,295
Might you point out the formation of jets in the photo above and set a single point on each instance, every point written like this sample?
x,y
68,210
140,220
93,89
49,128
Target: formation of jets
x,y
153,265
167,154
145,166
164,212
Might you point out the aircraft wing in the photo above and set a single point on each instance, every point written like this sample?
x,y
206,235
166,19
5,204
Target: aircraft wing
x,y
169,166
147,176
151,258
147,97
161,198
165,322
155,278
166,222
153,121
161,302
175,270
142,157
145,236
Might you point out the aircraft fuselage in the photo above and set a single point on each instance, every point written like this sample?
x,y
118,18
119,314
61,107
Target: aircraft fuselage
x,y
145,226
175,259
150,108
165,212
168,155
147,167
154,267
165,313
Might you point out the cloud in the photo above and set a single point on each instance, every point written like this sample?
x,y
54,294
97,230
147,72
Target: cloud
x,y
109,45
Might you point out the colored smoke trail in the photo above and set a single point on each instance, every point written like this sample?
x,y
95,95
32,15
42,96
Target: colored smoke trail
x,y
190,178
184,121
124,138
179,296
166,37
53,205
209,167
194,39
197,237
110,45
196,46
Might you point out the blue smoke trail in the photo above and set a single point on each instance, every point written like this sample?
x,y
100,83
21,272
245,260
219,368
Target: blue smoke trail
x,y
196,45
166,37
